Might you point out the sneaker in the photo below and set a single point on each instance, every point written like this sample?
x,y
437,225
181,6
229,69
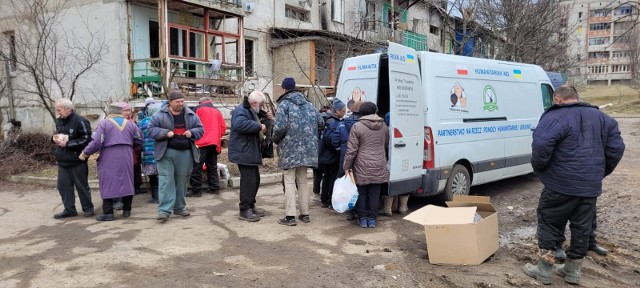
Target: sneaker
x,y
371,222
351,216
287,222
183,213
325,205
118,206
304,218
258,211
363,222
191,194
65,214
248,215
105,217
126,214
89,213
214,191
162,217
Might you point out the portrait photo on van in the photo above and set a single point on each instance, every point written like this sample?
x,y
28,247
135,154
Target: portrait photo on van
x,y
458,98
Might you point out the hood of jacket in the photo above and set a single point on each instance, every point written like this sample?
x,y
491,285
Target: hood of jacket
x,y
373,122
294,96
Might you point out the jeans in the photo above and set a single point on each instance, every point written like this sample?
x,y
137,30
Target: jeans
x,y
173,171
208,156
328,179
249,183
70,177
368,200
296,177
554,210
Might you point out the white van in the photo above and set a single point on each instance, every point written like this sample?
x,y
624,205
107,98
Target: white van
x,y
455,121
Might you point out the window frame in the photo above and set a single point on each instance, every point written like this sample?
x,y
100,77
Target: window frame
x,y
10,36
250,72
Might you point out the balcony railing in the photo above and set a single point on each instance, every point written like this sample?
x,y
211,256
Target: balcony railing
x,y
379,32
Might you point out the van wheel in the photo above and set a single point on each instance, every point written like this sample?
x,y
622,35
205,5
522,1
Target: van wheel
x,y
458,182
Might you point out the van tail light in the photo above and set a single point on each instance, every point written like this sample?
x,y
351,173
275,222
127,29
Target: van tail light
x,y
429,159
397,133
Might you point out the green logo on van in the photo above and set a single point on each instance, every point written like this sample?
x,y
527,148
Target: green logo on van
x,y
490,98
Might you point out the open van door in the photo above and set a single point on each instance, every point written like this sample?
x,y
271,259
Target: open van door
x,y
406,129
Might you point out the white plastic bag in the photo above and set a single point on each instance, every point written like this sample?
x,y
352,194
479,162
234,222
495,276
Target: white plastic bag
x,y
345,194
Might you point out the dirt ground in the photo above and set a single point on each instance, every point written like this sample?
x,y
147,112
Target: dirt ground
x,y
212,248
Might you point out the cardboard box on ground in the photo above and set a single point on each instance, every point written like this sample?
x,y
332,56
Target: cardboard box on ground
x,y
455,234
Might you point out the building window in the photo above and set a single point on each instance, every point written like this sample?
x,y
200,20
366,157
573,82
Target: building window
x,y
600,13
598,69
336,10
295,13
619,68
599,55
249,56
11,42
598,40
620,54
434,30
600,26
578,56
624,10
579,15
370,17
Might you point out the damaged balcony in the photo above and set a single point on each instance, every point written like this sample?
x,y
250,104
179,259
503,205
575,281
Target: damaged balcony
x,y
201,49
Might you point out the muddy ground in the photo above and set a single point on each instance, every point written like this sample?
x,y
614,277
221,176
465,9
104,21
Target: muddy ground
x,y
214,249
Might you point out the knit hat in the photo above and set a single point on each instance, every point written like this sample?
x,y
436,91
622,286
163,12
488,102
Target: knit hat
x,y
356,107
114,108
337,104
288,83
368,108
173,95
125,106
148,101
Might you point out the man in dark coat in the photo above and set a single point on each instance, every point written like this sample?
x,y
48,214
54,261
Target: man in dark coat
x,y
73,133
244,150
575,146
328,155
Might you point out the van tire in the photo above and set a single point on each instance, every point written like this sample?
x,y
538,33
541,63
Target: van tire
x,y
458,183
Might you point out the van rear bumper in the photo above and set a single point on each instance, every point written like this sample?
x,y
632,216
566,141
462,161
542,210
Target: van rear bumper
x,y
430,182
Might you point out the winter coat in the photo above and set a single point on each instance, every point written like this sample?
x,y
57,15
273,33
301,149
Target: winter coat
x,y
79,131
244,141
327,153
365,151
574,147
296,130
214,126
162,122
340,138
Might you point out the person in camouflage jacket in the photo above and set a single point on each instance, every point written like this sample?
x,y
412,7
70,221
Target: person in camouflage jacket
x,y
295,132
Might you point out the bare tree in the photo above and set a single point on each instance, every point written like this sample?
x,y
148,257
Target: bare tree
x,y
49,59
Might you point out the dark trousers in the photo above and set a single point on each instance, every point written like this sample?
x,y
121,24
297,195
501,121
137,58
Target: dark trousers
x,y
153,182
249,183
317,179
137,177
592,236
209,156
554,210
70,177
107,204
368,200
328,179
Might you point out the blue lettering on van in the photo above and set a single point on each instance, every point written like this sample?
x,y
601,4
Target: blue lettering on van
x,y
491,72
397,57
367,67
483,130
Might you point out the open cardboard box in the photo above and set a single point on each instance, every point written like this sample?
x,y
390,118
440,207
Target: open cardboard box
x,y
453,237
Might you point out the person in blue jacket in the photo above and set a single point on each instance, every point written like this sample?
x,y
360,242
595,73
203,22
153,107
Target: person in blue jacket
x,y
574,147
329,155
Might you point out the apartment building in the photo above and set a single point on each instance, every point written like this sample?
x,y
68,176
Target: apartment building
x,y
604,49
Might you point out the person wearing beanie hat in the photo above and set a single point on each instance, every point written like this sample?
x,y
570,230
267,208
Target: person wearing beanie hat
x,y
295,132
328,154
368,137
114,138
175,128
341,137
368,108
149,101
288,83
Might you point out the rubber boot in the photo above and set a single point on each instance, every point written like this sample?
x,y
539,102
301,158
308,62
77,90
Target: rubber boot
x,y
387,201
542,271
154,195
402,204
571,270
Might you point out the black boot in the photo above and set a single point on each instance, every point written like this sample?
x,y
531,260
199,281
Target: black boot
x,y
598,249
154,195
105,217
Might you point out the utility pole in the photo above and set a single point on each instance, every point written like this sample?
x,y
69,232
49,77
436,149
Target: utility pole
x,y
12,108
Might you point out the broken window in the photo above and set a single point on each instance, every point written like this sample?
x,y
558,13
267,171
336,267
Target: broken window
x,y
248,58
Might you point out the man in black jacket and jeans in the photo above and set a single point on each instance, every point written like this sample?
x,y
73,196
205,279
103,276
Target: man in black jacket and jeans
x,y
73,133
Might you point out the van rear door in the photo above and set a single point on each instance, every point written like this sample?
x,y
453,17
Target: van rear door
x,y
406,129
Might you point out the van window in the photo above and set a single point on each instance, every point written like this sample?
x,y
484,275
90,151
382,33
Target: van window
x,y
547,96
383,86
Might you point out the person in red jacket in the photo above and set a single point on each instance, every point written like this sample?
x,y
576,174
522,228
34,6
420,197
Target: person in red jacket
x,y
210,147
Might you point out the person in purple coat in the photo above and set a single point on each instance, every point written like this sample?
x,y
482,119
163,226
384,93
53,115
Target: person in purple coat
x,y
114,138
